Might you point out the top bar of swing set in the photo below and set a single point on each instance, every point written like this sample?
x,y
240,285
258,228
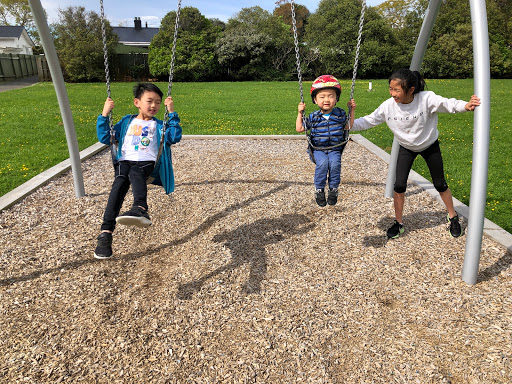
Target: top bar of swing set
x,y
481,127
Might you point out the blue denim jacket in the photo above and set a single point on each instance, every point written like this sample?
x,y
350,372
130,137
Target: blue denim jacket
x,y
163,174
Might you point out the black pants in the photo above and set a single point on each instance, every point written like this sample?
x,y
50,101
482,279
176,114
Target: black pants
x,y
432,156
134,173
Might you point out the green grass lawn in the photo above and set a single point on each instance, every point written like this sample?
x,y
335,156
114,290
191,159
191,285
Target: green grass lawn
x,y
33,138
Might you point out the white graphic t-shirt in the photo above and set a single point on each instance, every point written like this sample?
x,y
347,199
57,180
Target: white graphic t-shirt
x,y
140,142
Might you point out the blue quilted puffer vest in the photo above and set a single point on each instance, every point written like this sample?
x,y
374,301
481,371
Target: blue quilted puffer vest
x,y
327,132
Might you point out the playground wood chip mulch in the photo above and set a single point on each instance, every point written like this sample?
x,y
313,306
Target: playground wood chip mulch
x,y
243,279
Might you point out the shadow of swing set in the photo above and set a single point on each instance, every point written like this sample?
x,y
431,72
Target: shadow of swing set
x,y
481,125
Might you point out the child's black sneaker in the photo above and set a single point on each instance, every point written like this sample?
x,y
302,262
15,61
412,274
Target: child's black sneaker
x,y
332,196
395,230
104,248
455,229
135,216
320,197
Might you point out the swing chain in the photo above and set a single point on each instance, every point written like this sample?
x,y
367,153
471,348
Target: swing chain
x,y
169,87
297,57
113,147
173,56
356,59
105,51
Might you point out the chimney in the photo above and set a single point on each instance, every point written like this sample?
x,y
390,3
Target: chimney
x,y
138,23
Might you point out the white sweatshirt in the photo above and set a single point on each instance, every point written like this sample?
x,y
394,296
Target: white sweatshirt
x,y
414,124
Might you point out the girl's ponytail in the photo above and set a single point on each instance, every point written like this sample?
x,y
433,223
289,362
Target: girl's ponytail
x,y
420,82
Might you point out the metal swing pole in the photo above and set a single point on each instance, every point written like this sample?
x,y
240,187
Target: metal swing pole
x,y
417,59
62,95
481,128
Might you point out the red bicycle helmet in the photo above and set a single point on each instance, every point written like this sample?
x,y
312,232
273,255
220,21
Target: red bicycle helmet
x,y
325,82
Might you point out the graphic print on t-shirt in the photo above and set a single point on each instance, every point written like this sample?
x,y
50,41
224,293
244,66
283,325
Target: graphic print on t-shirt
x,y
140,141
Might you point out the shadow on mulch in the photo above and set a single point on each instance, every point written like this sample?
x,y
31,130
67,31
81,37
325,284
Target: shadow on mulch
x,y
247,245
201,228
227,181
358,184
416,221
494,270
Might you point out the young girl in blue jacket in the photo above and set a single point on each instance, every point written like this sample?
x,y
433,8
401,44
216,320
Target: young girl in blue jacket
x,y
138,138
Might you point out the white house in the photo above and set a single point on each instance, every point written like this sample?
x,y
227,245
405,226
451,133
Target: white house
x,y
15,39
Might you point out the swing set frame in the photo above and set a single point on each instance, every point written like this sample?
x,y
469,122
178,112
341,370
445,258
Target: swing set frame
x,y
481,122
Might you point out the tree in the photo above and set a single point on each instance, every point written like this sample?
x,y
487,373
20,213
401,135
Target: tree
x,y
79,44
284,10
450,52
500,37
395,11
195,59
241,52
457,47
16,11
256,45
408,33
333,30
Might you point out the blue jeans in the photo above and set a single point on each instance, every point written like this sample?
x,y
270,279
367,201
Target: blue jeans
x,y
328,166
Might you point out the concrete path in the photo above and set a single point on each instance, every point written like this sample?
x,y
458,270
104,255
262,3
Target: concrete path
x,y
18,83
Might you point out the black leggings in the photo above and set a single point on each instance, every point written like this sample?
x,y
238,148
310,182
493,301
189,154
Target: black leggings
x,y
434,160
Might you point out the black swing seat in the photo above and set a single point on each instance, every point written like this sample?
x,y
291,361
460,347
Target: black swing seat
x,y
312,147
345,141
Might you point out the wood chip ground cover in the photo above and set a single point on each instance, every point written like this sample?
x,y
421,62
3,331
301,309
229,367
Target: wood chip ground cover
x,y
243,279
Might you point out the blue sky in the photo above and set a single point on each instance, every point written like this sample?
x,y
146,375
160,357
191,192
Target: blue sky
x,y
122,12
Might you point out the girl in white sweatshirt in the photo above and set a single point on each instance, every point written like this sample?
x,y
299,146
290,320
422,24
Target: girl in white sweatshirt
x,y
411,114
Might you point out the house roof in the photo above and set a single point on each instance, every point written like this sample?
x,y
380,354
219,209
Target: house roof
x,y
11,31
133,36
8,31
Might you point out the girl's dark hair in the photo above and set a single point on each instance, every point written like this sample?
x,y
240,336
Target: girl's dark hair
x,y
408,79
139,89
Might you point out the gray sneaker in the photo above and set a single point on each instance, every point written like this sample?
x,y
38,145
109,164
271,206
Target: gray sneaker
x,y
332,196
320,197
